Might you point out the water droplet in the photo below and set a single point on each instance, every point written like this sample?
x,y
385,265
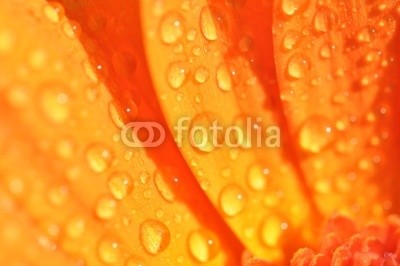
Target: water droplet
x,y
154,236
99,157
58,195
208,24
203,245
124,63
373,56
54,103
191,35
315,134
177,74
163,187
291,40
257,177
271,230
115,116
325,19
172,28
106,207
7,41
75,227
72,29
90,73
108,250
120,185
232,200
366,35
144,177
201,74
53,12
326,50
201,137
224,78
298,66
290,7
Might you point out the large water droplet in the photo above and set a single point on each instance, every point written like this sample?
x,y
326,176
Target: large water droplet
x,y
315,134
120,185
163,187
208,24
257,177
203,245
99,157
201,74
298,66
106,207
177,74
108,250
232,200
172,28
154,236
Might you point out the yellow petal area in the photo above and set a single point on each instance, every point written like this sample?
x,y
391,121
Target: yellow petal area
x,y
334,61
255,187
71,192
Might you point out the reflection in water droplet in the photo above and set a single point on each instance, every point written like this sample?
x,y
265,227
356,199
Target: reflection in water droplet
x,y
203,245
154,236
120,185
232,200
106,207
257,177
177,74
99,157
224,78
298,66
163,187
315,134
108,250
172,28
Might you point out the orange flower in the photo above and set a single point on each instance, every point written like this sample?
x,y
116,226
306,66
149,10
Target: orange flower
x,y
274,116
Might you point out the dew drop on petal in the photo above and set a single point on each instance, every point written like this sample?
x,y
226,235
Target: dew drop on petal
x,y
224,78
99,157
163,187
201,74
75,227
315,134
54,103
177,74
232,200
271,230
154,236
120,185
257,177
298,66
325,19
290,7
115,116
53,12
106,207
108,250
326,50
203,245
207,24
172,28
291,40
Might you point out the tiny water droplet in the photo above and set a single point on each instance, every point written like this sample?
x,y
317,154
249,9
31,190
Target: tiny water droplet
x,y
154,236
298,66
108,250
326,50
177,74
99,157
72,29
120,185
366,35
232,200
172,28
203,245
291,40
